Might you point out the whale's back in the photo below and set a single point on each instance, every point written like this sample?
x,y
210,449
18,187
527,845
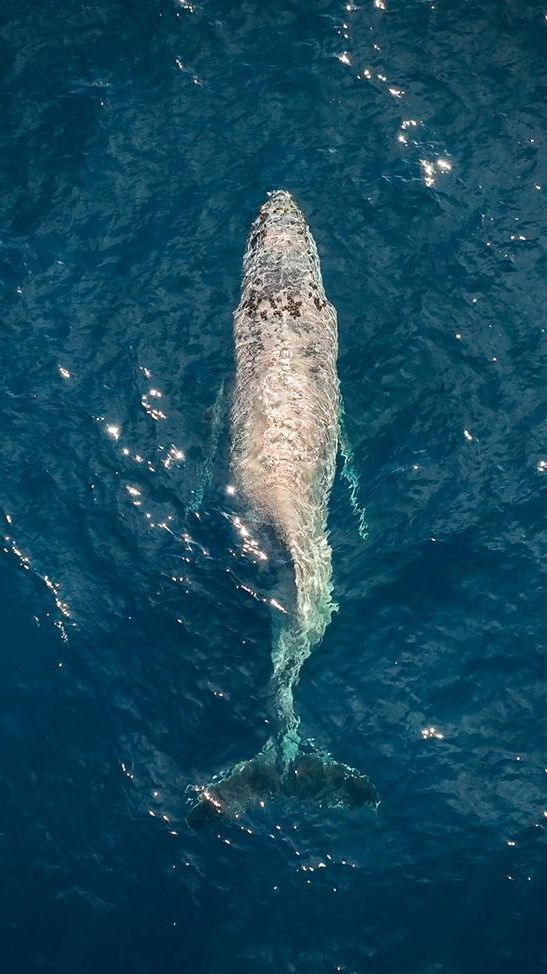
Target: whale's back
x,y
284,416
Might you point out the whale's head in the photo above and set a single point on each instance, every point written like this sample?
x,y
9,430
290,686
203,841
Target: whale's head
x,y
281,210
280,231
280,202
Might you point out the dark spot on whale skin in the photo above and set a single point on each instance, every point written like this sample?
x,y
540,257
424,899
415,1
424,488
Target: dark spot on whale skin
x,y
251,303
293,307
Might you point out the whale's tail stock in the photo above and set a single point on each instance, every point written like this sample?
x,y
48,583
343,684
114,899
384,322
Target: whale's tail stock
x,y
286,768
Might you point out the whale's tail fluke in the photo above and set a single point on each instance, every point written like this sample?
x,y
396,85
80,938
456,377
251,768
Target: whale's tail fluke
x,y
311,775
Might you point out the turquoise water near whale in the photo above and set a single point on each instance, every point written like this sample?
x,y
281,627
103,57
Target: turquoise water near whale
x,y
138,141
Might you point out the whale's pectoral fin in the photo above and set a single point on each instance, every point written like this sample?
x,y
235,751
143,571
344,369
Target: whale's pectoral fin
x,y
312,777
349,473
217,418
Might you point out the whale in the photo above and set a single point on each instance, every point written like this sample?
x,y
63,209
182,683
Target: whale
x,y
284,439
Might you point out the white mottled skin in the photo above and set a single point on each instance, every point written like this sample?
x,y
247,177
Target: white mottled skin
x,y
285,420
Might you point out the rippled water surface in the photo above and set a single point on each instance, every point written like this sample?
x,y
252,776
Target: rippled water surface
x,y
138,141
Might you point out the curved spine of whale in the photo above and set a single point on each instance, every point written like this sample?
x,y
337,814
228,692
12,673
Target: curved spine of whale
x,y
284,425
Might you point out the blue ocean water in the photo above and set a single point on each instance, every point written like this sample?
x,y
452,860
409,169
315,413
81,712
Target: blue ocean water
x,y
138,141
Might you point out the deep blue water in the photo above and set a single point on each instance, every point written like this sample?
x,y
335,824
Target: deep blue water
x,y
137,142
